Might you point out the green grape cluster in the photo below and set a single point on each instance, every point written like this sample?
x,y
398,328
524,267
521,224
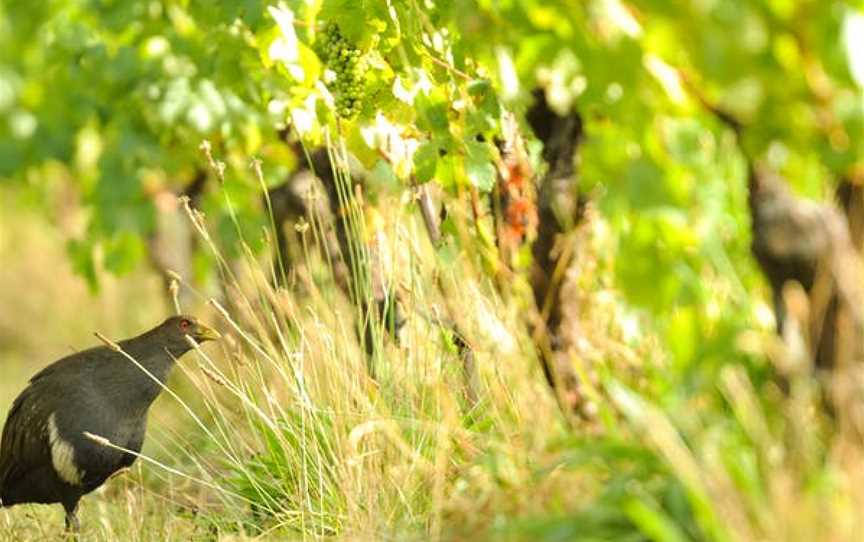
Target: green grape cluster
x,y
346,61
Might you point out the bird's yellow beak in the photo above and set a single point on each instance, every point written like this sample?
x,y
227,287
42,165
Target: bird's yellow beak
x,y
204,333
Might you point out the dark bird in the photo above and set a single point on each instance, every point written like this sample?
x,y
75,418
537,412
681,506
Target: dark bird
x,y
45,454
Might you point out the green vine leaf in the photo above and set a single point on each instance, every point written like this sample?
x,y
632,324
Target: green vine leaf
x,y
479,166
426,161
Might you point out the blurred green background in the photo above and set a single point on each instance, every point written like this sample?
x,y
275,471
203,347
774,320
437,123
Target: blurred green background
x,y
104,106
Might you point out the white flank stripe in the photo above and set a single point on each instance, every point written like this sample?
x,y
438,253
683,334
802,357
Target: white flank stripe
x,y
62,455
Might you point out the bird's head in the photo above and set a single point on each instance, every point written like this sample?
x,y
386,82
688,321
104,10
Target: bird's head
x,y
177,328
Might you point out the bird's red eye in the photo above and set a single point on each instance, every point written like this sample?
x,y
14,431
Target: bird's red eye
x,y
185,324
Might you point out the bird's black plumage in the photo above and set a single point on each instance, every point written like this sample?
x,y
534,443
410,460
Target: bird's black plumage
x,y
45,456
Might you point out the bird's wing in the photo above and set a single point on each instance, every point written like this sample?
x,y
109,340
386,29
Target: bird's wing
x,y
25,445
26,441
74,362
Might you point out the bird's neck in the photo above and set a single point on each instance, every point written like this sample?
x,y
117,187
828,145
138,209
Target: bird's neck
x,y
157,361
147,377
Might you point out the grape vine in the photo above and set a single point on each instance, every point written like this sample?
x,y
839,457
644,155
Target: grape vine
x,y
347,63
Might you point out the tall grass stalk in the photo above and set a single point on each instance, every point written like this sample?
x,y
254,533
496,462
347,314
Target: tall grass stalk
x,y
304,443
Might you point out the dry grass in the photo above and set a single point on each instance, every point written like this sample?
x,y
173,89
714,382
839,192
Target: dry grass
x,y
48,312
281,434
